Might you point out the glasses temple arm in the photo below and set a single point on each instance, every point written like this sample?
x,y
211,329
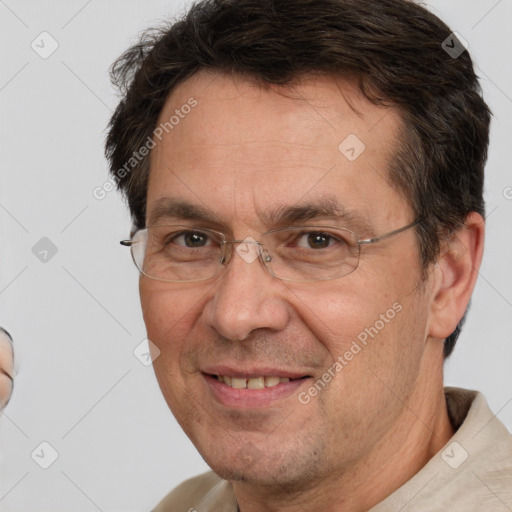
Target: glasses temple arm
x,y
390,234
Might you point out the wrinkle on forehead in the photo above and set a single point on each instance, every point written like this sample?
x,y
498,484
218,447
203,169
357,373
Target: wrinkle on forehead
x,y
250,147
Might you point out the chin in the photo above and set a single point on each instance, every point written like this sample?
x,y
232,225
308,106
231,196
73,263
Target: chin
x,y
249,466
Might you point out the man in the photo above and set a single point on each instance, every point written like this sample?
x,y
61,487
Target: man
x,y
305,179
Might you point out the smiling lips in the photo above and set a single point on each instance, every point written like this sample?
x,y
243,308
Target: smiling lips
x,y
253,383
248,389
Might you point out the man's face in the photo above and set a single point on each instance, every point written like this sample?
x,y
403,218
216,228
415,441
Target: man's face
x,y
243,153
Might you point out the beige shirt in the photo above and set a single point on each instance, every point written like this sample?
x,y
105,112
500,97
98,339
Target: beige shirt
x,y
472,473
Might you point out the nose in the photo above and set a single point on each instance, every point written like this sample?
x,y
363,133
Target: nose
x,y
247,297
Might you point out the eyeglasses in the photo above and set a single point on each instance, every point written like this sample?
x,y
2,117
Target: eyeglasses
x,y
301,253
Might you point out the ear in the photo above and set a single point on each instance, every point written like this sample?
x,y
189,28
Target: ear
x,y
454,276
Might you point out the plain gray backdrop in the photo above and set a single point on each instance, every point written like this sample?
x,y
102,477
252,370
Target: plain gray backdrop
x,y
68,290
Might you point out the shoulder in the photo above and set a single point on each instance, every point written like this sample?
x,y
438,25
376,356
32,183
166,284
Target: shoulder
x,y
186,496
472,472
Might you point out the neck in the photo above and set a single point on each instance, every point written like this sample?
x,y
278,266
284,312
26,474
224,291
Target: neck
x,y
421,430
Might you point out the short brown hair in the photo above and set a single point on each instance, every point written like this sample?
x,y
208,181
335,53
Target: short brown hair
x,y
393,49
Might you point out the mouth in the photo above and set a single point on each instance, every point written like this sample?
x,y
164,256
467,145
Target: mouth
x,y
261,382
252,390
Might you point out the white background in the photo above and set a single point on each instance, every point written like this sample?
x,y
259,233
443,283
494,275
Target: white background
x,y
76,320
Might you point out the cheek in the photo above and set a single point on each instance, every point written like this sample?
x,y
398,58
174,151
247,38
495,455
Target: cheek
x,y
170,315
374,321
376,353
165,316
167,311
164,326
339,313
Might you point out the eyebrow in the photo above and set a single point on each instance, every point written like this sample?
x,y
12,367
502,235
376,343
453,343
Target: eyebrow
x,y
168,208
325,208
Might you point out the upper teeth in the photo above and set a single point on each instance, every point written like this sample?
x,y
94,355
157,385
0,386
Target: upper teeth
x,y
252,383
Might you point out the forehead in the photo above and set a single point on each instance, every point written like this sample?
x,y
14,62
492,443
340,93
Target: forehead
x,y
245,146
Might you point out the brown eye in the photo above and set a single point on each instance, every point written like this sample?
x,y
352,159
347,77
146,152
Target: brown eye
x,y
192,239
319,240
316,240
195,239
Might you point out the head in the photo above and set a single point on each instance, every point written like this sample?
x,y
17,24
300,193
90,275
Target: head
x,y
236,118
6,367
438,164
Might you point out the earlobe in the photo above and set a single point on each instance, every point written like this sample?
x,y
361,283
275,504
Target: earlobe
x,y
455,276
